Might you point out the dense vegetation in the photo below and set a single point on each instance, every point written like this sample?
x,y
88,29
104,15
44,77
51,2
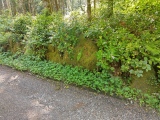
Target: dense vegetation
x,y
126,43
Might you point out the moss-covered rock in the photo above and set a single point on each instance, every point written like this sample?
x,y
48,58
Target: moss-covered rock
x,y
53,55
147,83
84,54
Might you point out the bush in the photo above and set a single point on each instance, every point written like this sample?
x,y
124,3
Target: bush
x,y
129,44
5,31
21,26
38,35
65,33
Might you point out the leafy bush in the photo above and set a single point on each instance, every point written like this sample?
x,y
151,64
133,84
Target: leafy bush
x,y
5,34
129,43
118,53
147,7
65,34
20,27
5,21
94,30
38,36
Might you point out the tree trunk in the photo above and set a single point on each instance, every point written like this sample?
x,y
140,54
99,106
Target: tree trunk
x,y
9,6
30,5
89,10
110,8
48,4
20,6
13,7
56,5
2,4
94,6
33,7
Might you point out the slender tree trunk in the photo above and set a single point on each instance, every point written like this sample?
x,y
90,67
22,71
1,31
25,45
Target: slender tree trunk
x,y
9,6
110,8
29,6
48,5
94,7
1,7
94,4
2,3
13,7
20,6
63,6
72,5
33,7
89,9
56,5
51,6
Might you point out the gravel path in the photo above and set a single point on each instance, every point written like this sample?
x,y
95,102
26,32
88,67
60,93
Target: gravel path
x,y
27,97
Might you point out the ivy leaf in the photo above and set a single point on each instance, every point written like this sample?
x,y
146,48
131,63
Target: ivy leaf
x,y
131,71
139,75
148,67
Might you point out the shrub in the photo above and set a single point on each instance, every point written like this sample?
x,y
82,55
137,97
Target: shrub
x,y
65,34
5,31
38,35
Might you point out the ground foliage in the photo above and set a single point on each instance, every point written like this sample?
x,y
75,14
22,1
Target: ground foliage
x,y
100,82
